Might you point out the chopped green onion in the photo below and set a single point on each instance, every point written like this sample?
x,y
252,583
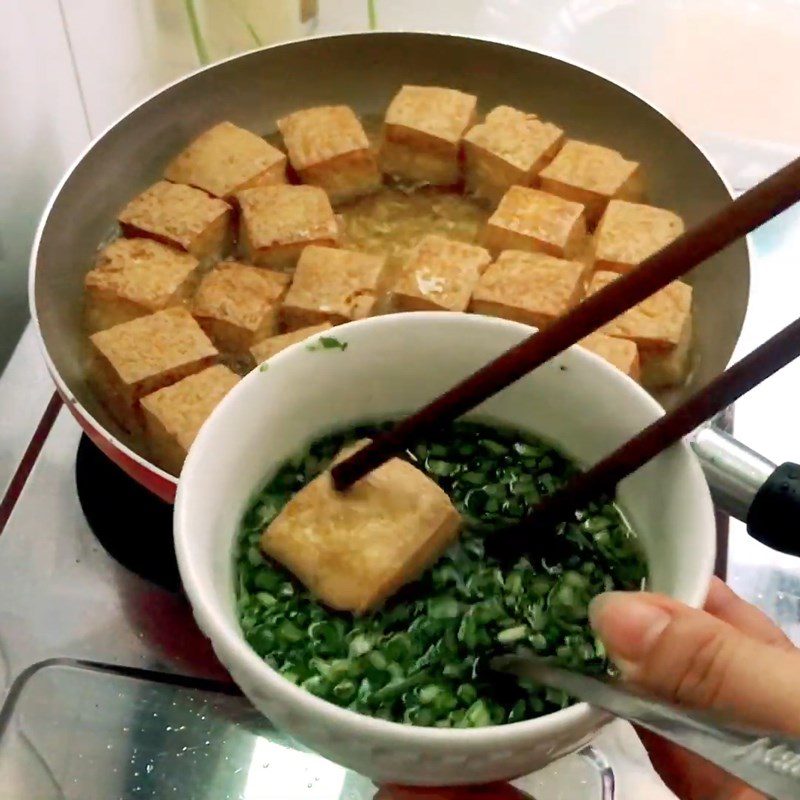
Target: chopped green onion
x,y
439,467
494,447
511,635
478,714
289,632
423,658
467,693
359,645
443,608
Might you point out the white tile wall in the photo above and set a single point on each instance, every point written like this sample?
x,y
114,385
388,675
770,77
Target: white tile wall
x,y
144,45
42,129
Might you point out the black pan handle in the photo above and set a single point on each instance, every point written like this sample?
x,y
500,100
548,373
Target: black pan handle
x,y
752,489
774,515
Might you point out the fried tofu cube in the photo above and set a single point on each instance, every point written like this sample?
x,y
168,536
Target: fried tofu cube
x,y
592,175
355,549
658,322
439,275
332,285
533,288
532,220
422,134
134,277
328,148
274,344
671,368
173,415
181,216
138,357
226,159
661,326
508,148
629,233
238,305
278,222
622,353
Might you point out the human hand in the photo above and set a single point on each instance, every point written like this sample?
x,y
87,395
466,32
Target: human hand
x,y
729,658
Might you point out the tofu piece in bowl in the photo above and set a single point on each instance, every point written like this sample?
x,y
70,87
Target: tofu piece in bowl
x,y
356,548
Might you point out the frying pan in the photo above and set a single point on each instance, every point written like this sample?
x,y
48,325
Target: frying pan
x,y
364,70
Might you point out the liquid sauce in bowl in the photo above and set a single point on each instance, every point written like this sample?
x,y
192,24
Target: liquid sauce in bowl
x,y
422,657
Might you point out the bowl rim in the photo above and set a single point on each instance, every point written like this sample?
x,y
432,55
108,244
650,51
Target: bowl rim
x,y
231,641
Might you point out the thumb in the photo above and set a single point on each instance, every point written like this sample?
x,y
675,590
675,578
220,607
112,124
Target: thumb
x,y
687,656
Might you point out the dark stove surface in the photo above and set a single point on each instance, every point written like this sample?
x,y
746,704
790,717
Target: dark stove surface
x,y
133,525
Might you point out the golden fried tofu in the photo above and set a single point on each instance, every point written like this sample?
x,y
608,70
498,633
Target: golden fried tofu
x,y
134,277
629,233
592,175
422,134
173,415
669,368
226,159
439,275
533,288
274,344
332,285
662,328
138,357
328,148
237,304
278,222
181,216
355,549
622,353
508,148
528,219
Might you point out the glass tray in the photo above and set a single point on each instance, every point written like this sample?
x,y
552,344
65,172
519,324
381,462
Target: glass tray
x,y
73,730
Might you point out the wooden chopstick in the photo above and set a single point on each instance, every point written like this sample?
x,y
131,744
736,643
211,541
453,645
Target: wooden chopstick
x,y
603,477
732,221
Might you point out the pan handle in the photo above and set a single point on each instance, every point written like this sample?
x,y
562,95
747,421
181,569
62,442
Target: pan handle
x,y
734,472
751,488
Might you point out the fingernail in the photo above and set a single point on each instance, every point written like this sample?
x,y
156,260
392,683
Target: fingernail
x,y
629,625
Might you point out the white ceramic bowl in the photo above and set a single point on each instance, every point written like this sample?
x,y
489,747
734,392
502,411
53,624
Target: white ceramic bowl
x,y
392,365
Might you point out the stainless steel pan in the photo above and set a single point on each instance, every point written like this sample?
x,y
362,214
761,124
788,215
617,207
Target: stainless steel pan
x,y
365,70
